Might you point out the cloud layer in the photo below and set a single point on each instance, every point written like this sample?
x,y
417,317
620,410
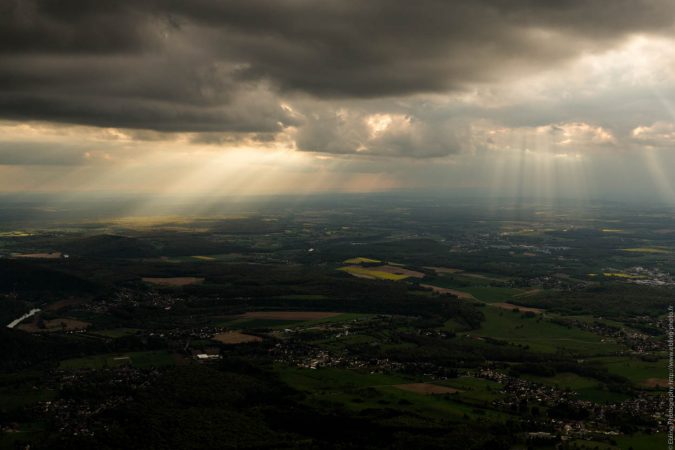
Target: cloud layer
x,y
385,78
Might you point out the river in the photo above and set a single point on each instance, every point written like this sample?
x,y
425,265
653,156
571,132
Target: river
x,y
14,323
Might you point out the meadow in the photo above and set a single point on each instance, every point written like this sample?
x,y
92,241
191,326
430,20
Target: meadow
x,y
540,334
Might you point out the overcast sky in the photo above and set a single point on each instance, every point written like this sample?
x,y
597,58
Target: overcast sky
x,y
519,97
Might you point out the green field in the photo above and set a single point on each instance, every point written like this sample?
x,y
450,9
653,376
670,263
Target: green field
x,y
540,334
635,369
361,392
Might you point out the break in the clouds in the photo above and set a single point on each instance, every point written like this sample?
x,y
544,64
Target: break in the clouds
x,y
348,79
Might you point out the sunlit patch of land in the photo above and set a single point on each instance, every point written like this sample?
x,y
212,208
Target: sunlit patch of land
x,y
623,275
4,234
361,260
386,272
204,258
51,255
173,281
235,337
612,230
646,250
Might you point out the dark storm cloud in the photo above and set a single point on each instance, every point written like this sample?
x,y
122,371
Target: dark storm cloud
x,y
224,65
